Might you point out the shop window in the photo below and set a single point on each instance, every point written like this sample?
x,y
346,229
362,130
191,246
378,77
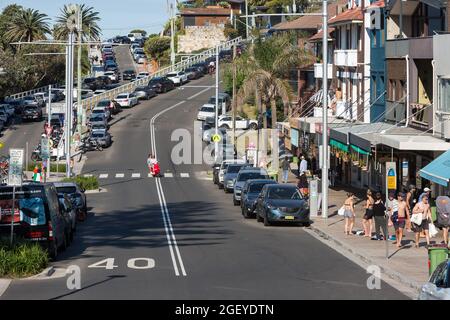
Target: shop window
x,y
444,95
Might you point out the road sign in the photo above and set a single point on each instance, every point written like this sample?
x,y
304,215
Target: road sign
x,y
391,177
216,138
45,148
15,167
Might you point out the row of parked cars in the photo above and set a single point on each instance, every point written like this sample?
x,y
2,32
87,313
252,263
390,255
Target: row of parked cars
x,y
47,213
259,196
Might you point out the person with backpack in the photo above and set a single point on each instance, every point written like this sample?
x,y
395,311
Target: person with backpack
x,y
443,215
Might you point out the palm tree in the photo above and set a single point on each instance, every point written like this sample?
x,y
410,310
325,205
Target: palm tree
x,y
267,66
90,27
28,25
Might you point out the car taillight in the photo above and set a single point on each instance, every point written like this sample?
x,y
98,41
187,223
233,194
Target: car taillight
x,y
35,234
50,231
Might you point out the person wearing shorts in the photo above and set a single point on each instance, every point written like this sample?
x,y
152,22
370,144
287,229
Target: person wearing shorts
x,y
424,209
399,218
349,214
368,216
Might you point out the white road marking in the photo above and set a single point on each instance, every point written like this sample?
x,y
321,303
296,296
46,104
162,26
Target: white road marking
x,y
150,175
136,175
168,175
184,175
88,175
197,94
120,175
103,176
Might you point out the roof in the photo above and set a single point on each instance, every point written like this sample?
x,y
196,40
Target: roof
x,y
318,36
376,4
307,22
351,15
209,11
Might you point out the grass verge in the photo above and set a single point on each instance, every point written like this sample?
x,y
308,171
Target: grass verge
x,y
86,183
22,259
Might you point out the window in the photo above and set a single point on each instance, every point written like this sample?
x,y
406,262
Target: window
x,y
444,95
374,39
374,89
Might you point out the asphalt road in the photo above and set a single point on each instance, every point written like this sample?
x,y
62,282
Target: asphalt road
x,y
189,240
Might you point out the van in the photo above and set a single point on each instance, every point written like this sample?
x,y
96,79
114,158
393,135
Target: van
x,y
37,215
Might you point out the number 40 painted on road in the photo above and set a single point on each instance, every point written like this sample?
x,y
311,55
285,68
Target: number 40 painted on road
x,y
108,264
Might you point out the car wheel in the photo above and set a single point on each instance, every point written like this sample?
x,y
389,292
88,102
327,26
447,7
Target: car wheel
x,y
306,224
258,217
266,221
65,242
220,186
235,202
225,126
245,213
52,250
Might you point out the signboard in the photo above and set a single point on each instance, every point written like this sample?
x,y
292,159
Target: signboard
x,y
374,18
294,137
216,138
391,177
15,167
45,148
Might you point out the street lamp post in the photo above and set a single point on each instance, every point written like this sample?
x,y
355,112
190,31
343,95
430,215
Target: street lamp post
x,y
216,143
80,110
69,100
325,113
246,19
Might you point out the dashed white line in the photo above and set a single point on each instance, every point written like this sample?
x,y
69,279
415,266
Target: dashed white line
x,y
88,175
120,175
103,176
168,175
136,175
184,175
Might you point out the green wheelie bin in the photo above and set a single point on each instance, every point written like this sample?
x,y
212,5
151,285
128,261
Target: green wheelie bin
x,y
436,255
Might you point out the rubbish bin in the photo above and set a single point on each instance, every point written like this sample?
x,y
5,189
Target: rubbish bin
x,y
436,255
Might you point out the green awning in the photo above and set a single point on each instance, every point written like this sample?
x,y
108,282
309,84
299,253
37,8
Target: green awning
x,y
359,150
339,145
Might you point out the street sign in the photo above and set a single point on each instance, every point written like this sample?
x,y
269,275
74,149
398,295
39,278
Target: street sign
x,y
45,148
15,167
391,177
216,138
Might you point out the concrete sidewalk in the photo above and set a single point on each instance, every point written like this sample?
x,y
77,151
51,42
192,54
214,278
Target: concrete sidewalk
x,y
407,267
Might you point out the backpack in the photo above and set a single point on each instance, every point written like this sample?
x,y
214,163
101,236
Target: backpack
x,y
443,210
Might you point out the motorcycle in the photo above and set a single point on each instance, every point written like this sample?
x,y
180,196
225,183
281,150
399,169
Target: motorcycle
x,y
90,145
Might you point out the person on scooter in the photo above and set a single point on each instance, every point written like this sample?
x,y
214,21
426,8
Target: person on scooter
x,y
151,161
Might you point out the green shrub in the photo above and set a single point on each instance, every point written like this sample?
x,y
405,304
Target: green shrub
x,y
23,259
61,168
87,183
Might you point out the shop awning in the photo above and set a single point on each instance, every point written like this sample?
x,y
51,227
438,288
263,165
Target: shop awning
x,y
339,145
438,171
359,150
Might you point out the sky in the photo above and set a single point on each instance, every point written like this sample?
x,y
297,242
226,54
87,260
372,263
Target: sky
x,y
118,17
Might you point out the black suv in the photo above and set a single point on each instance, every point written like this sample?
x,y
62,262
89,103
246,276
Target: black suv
x,y
129,75
32,113
91,84
161,84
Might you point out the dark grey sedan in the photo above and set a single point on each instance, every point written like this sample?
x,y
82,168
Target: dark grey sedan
x,y
144,93
282,203
102,137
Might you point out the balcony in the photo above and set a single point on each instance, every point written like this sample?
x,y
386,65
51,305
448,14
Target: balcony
x,y
415,48
346,58
318,71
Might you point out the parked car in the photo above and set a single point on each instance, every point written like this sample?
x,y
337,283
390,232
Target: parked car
x,y
103,111
103,81
4,117
438,286
70,215
8,109
193,73
144,93
223,98
98,119
207,110
226,122
161,84
202,67
230,176
91,84
102,137
208,134
33,101
113,76
111,66
282,203
223,168
178,77
74,191
250,192
31,112
18,105
126,100
99,126
141,59
37,216
113,106
142,75
243,176
129,75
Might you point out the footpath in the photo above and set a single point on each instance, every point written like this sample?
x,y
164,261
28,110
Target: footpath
x,y
406,268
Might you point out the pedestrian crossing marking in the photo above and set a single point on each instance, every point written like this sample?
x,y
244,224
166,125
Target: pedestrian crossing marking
x,y
168,175
88,175
184,175
120,175
136,175
103,176
150,175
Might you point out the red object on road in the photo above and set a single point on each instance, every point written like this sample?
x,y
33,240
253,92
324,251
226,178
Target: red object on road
x,y
155,170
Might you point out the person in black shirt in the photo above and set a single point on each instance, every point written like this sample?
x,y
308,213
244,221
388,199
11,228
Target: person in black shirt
x,y
379,214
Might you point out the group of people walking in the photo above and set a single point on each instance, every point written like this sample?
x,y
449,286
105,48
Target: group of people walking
x,y
404,211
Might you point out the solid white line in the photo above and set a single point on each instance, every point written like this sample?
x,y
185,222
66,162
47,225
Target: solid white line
x,y
184,175
103,176
120,175
209,87
199,93
136,175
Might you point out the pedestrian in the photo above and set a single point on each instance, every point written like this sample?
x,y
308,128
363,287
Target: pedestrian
x,y
285,166
443,215
37,174
302,184
379,215
410,202
399,218
367,219
303,165
299,157
151,160
427,192
421,218
349,214
391,207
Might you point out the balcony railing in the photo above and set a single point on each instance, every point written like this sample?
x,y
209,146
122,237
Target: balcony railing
x,y
318,71
346,58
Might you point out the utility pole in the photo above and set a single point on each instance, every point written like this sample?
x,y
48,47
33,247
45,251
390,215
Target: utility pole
x,y
172,35
246,19
69,100
80,110
325,112
234,94
49,115
216,143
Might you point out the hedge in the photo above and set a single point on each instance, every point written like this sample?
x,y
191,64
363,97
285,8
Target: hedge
x,y
87,183
23,259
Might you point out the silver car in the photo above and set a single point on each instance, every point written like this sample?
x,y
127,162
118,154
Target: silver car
x,y
438,287
243,176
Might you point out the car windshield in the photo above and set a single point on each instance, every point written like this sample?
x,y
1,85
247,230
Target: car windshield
x,y
128,72
284,193
256,187
207,109
252,175
140,89
233,169
98,135
66,190
96,119
122,96
98,111
29,206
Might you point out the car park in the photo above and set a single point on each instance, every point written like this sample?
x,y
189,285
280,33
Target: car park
x,y
178,77
144,93
241,179
438,285
126,100
37,216
207,110
161,84
129,75
226,122
230,176
282,203
250,192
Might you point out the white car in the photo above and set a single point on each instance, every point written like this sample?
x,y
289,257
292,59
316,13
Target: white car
x,y
207,110
99,91
127,100
178,77
112,75
226,122
142,75
224,166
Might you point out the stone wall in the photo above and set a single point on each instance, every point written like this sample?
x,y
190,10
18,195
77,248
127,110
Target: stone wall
x,y
203,37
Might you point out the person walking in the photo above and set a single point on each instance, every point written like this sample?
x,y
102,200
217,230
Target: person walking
x,y
399,218
367,219
303,165
410,202
426,192
379,215
285,166
443,216
421,218
391,207
302,184
349,214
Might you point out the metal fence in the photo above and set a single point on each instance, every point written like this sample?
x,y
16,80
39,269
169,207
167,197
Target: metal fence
x,y
29,93
91,102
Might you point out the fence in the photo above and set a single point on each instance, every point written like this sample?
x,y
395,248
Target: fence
x,y
29,92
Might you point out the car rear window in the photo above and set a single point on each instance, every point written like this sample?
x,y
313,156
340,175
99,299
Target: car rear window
x,y
29,206
122,96
207,109
256,187
66,190
252,175
104,103
284,193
